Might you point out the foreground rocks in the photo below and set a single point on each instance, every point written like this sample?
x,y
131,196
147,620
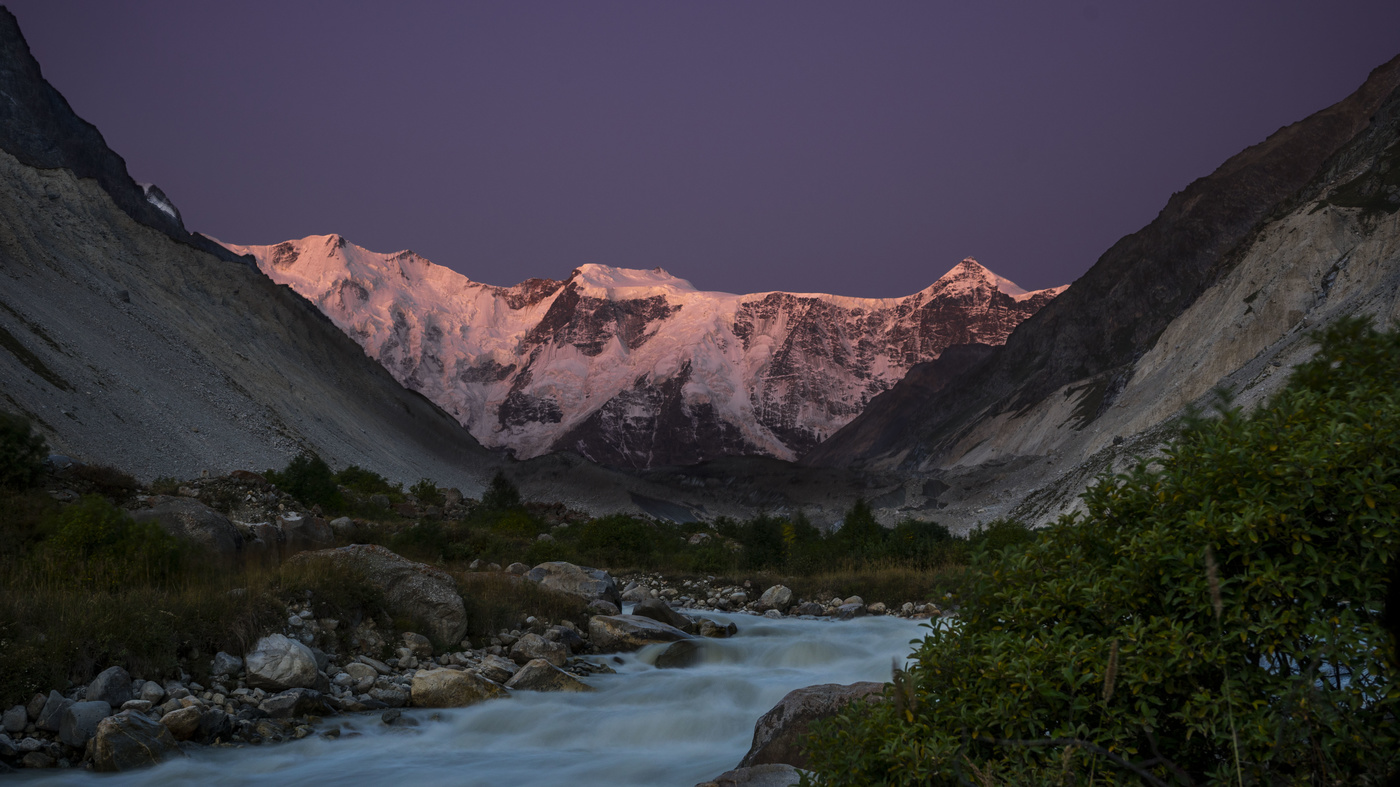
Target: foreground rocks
x,y
278,663
778,734
756,776
613,633
413,590
589,584
130,740
443,688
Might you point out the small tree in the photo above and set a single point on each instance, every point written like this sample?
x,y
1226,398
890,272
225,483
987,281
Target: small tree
x,y
21,453
309,479
501,495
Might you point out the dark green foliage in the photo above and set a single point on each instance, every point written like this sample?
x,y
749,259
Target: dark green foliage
x,y
104,480
366,482
859,532
1211,618
427,492
21,453
99,544
309,479
501,495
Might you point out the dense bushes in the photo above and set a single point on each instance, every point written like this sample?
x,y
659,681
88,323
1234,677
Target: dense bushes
x,y
97,544
21,453
1212,617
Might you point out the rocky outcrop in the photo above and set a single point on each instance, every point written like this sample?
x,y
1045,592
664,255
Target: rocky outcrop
x,y
412,590
444,688
193,521
636,368
613,633
590,584
779,733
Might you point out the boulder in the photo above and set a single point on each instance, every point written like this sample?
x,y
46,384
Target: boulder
x,y
418,644
540,675
809,608
129,740
848,611
52,712
778,597
611,633
773,775
36,705
779,733
517,569
635,594
681,653
192,521
150,691
301,532
445,688
80,720
293,702
112,686
600,607
410,590
213,724
497,668
183,723
567,637
278,663
717,630
532,647
225,664
362,676
590,584
656,609
15,719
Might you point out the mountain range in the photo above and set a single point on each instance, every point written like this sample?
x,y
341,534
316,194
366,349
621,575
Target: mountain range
x,y
129,341
637,368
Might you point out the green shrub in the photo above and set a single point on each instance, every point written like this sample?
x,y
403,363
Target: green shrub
x,y
101,544
22,453
366,482
427,492
1212,617
501,495
309,479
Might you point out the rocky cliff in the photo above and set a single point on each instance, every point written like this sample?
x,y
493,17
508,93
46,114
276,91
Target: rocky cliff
x,y
637,368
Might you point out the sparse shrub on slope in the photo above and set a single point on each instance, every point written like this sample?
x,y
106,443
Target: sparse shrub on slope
x,y
501,495
100,545
21,453
1212,618
309,479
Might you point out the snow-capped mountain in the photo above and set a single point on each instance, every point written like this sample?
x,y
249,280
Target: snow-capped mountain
x,y
637,368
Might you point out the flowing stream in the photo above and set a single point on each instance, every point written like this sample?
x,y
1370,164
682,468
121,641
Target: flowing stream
x,y
644,726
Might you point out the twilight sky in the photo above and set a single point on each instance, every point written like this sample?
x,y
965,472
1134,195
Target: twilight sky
x,y
860,148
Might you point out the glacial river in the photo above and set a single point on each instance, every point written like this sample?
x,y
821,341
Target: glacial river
x,y
644,726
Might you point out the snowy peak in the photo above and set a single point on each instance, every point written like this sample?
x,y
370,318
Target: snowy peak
x,y
637,367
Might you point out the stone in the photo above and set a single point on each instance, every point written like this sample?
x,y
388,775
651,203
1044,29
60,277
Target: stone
x,y
517,569
497,668
540,675
52,712
590,584
140,706
567,637
611,633
532,646
151,691
36,705
878,608
656,609
717,630
409,590
771,775
342,524
390,696
36,759
681,653
15,719
301,533
635,594
854,600
809,608
444,688
361,675
225,664
7,747
112,686
183,723
213,724
601,607
293,702
779,734
278,663
778,597
848,611
418,644
192,521
79,722
129,740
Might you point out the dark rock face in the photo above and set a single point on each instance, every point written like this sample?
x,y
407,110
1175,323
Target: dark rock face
x,y
1115,312
777,737
38,127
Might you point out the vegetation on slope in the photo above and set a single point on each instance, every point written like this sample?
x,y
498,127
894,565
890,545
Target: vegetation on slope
x,y
1213,617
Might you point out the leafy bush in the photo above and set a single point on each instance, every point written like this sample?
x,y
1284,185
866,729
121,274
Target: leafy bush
x,y
1212,617
21,453
309,479
104,480
501,495
427,492
101,544
366,482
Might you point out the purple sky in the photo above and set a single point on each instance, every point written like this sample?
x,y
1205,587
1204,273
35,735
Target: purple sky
x,y
852,147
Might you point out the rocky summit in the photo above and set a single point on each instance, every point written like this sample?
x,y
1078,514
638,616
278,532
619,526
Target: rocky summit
x,y
634,368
